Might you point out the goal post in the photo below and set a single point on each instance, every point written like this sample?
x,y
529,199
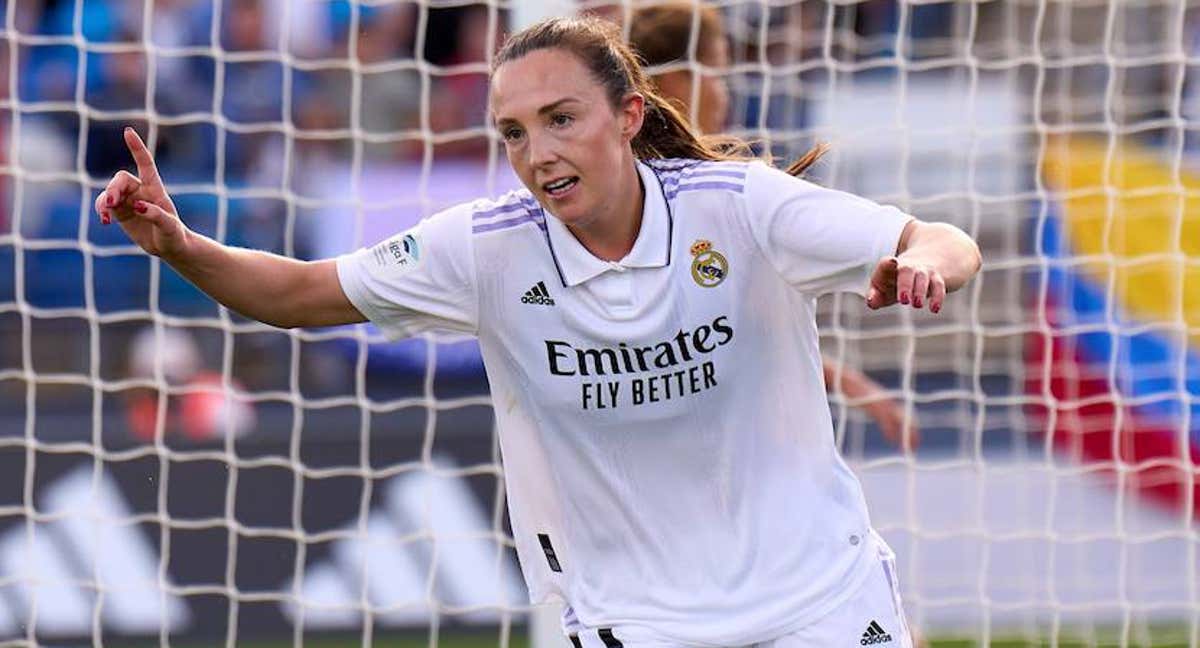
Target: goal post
x,y
172,472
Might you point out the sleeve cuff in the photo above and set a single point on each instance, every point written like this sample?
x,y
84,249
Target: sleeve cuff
x,y
887,239
350,276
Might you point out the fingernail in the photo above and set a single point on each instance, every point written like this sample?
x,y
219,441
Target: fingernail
x,y
935,308
108,200
139,207
128,128
917,302
105,219
903,298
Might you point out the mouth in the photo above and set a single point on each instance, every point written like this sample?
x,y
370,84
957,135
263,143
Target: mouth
x,y
560,187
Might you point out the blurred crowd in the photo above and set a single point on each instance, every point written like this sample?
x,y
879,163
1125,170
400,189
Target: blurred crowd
x,y
244,114
304,128
307,128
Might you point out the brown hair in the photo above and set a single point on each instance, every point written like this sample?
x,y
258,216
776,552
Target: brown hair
x,y
665,133
662,33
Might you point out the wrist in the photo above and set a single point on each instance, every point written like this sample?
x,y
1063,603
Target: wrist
x,y
182,251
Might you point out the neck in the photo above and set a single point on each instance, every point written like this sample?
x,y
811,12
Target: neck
x,y
612,236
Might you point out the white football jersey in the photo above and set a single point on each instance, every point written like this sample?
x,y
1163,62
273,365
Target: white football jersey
x,y
667,444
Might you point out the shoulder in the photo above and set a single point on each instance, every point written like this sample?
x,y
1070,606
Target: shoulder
x,y
456,228
514,212
682,175
768,186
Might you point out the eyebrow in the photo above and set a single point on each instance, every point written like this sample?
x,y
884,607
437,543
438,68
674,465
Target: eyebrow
x,y
548,108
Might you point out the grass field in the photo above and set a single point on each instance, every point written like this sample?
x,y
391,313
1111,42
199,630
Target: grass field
x,y
1165,636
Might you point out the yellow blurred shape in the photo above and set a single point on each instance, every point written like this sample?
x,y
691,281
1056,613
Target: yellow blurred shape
x,y
1136,222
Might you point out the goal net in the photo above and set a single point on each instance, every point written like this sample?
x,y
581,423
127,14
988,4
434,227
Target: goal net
x,y
174,473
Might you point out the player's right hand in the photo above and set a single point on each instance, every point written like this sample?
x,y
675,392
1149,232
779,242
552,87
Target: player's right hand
x,y
888,414
141,205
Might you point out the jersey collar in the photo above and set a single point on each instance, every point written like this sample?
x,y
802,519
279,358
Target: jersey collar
x,y
652,249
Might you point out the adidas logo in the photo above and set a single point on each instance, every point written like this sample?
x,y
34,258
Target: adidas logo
x,y
537,295
64,569
874,635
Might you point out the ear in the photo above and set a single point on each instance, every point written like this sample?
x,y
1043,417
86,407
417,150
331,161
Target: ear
x,y
630,114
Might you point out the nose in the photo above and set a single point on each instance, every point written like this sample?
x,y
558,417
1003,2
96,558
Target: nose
x,y
543,150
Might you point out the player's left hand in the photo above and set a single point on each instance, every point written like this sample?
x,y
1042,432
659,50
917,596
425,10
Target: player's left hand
x,y
907,281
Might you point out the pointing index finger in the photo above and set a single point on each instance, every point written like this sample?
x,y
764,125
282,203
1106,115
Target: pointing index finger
x,y
147,171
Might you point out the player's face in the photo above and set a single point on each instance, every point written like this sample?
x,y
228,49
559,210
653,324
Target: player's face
x,y
563,137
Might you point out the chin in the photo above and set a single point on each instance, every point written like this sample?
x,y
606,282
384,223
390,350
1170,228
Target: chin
x,y
565,216
570,215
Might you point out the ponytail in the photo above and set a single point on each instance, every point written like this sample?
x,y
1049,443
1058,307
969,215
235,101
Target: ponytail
x,y
665,132
802,163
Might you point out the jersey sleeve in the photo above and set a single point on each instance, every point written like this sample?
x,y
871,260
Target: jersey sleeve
x,y
418,280
820,240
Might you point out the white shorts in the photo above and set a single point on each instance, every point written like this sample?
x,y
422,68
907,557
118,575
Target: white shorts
x,y
872,618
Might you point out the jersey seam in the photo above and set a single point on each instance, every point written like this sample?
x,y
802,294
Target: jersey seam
x,y
473,275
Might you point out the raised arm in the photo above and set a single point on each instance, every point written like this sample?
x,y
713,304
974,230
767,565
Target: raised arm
x,y
931,259
263,286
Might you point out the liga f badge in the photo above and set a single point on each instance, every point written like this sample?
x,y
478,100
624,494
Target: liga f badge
x,y
709,267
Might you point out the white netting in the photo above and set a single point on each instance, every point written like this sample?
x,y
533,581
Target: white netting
x,y
218,480
1053,496
172,470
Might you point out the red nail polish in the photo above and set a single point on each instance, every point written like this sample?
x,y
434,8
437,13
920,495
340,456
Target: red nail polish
x,y
139,207
917,302
108,200
903,298
935,308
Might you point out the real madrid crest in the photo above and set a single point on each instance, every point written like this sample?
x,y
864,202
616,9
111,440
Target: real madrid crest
x,y
709,267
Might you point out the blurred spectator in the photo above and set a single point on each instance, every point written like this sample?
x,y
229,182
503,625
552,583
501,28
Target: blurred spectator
x,y
180,23
253,51
462,95
662,34
391,85
116,82
202,411
305,23
27,14
253,85
98,21
6,176
183,82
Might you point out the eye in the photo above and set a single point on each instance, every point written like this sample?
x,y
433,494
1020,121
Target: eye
x,y
561,119
512,134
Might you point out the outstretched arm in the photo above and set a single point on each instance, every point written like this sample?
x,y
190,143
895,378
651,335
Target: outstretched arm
x,y
932,259
267,287
887,413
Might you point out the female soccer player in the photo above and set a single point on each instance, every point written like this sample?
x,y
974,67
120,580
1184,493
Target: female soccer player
x,y
661,34
645,312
